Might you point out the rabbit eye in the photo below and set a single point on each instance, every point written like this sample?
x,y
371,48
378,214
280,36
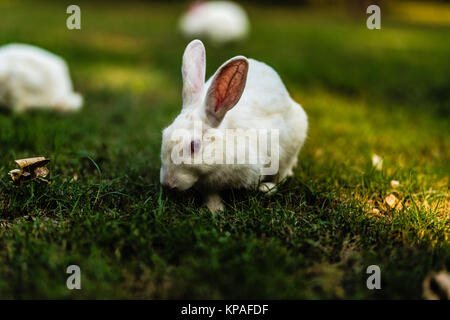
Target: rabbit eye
x,y
195,146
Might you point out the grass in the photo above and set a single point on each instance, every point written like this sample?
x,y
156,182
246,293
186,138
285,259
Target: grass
x,y
366,92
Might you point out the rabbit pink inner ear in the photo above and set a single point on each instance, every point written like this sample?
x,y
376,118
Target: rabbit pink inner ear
x,y
226,89
193,71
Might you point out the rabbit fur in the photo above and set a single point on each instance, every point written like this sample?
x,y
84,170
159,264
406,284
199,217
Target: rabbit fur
x,y
242,94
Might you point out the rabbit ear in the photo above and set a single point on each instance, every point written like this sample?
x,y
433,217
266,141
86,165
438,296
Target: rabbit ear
x,y
226,89
193,71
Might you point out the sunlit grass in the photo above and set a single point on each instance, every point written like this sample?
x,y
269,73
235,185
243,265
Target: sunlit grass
x,y
422,12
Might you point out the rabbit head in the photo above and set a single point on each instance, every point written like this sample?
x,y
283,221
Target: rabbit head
x,y
203,110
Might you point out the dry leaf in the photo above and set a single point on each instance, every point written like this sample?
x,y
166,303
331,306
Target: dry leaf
x,y
32,162
377,162
393,202
15,174
395,183
30,169
375,211
437,286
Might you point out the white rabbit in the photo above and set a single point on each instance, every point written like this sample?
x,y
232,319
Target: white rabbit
x,y
31,77
243,94
219,21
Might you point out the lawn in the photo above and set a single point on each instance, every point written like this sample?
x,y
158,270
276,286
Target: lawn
x,y
366,92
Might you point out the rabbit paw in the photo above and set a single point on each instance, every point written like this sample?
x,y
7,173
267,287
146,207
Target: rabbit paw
x,y
214,203
268,188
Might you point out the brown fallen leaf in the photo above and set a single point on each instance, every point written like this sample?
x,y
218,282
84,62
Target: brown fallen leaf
x,y
375,211
32,162
30,169
437,286
393,202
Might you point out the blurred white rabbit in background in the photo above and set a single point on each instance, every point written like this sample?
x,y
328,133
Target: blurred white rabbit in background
x,y
218,21
32,78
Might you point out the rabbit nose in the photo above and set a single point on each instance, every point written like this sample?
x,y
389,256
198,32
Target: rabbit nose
x,y
168,183
168,186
